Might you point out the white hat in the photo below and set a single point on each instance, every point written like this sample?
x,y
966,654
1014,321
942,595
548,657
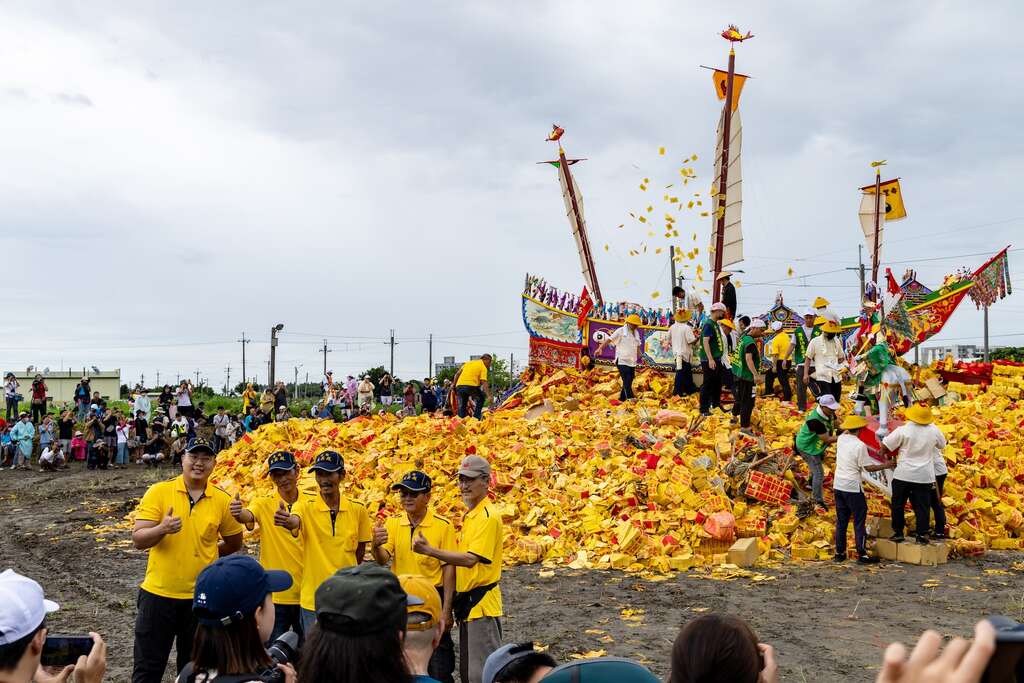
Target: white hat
x,y
810,312
828,401
22,606
776,326
757,323
718,306
723,274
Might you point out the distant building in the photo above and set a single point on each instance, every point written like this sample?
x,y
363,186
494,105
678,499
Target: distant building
x,y
450,362
60,386
930,354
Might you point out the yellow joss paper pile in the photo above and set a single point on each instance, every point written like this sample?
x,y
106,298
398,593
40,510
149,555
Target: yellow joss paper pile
x,y
586,482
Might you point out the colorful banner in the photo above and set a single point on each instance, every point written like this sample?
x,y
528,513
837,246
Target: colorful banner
x,y
585,307
720,79
893,197
992,281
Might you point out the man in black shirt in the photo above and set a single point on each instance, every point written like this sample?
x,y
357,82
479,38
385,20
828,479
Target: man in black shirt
x,y
728,293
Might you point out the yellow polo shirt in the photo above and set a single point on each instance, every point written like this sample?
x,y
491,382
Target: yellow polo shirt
x,y
438,531
473,373
175,562
328,546
279,549
482,534
780,345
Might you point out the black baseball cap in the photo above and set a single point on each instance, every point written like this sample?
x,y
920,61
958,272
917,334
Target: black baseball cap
x,y
363,599
200,445
415,481
281,460
232,588
328,461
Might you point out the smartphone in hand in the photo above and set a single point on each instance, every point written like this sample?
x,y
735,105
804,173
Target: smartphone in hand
x,y
61,650
1007,662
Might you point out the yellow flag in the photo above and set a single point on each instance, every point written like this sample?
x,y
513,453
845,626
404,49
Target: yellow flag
x,y
721,78
894,207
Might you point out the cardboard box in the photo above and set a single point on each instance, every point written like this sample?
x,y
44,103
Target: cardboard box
x,y
744,552
886,549
536,411
879,527
804,552
935,387
928,555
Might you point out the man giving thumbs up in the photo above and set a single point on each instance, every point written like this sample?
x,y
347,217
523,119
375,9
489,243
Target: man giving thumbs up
x,y
280,545
181,522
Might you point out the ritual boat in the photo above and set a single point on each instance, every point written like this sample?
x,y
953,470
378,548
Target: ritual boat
x,y
566,329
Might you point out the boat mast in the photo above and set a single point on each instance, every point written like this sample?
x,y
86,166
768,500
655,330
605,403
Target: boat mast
x,y
878,218
581,228
723,180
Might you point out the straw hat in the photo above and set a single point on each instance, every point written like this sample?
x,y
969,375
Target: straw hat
x,y
727,323
682,315
922,415
724,274
853,422
830,327
633,319
820,302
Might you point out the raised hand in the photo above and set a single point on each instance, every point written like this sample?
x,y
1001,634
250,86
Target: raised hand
x,y
380,535
170,524
420,544
235,507
281,515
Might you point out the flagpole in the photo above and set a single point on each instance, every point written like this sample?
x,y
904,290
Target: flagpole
x,y
723,180
878,217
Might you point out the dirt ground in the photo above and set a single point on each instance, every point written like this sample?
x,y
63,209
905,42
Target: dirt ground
x,y
827,622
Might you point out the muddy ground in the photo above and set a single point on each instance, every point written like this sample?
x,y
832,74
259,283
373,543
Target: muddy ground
x,y
828,622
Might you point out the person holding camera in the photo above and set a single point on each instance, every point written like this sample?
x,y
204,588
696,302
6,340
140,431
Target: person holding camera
x,y
234,607
179,522
280,548
24,641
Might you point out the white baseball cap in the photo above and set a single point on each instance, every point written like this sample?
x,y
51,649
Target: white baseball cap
x,y
718,306
756,322
22,606
828,401
776,326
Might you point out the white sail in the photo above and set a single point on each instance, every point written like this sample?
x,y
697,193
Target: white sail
x,y
579,230
732,243
867,223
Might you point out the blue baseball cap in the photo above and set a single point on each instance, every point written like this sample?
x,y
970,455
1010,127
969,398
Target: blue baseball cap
x,y
415,481
601,670
328,461
281,460
232,588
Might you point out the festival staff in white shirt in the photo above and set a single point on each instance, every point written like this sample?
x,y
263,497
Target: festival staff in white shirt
x,y
914,477
851,460
683,339
825,354
626,341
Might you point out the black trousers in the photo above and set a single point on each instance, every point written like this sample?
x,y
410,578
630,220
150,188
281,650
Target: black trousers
x,y
935,501
919,497
801,387
161,622
684,385
779,371
287,618
711,388
627,374
38,411
462,396
856,506
834,388
744,401
442,662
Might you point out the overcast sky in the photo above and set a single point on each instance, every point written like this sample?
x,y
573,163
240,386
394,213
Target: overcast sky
x,y
175,174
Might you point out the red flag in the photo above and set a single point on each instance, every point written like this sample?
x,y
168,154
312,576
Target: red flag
x,y
890,282
585,307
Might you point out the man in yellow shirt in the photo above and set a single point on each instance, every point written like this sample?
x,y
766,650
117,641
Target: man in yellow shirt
x,y
393,542
477,606
334,531
780,351
280,547
180,522
471,382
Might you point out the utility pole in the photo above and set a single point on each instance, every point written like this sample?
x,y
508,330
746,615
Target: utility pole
x,y
142,380
986,334
305,385
244,342
197,378
392,354
511,369
295,386
177,378
860,268
672,266
430,356
273,351
227,382
326,351
158,378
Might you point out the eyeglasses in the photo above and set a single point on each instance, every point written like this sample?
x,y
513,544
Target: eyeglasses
x,y
203,458
465,479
